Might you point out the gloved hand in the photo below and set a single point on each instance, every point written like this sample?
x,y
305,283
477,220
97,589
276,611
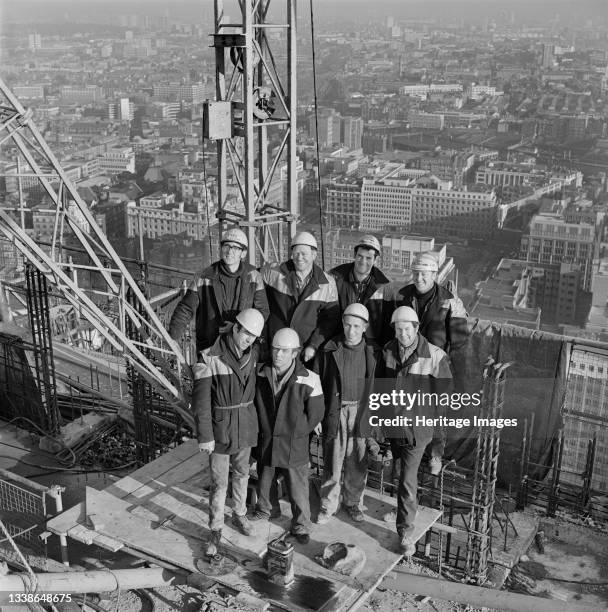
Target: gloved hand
x,y
308,353
385,451
206,447
373,448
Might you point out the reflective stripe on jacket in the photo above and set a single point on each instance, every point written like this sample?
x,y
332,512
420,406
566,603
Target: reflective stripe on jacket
x,y
222,398
285,427
203,300
315,314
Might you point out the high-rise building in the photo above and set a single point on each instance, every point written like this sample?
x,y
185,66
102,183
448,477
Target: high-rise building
x,y
547,59
585,413
328,119
550,239
386,203
343,202
351,131
125,109
34,41
454,213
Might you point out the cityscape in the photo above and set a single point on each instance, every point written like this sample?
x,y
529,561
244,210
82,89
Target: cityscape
x,y
473,131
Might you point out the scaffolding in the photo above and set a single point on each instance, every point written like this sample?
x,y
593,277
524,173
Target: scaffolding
x,y
157,426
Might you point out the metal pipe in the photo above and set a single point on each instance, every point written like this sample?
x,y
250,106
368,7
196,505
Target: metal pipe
x,y
97,581
479,596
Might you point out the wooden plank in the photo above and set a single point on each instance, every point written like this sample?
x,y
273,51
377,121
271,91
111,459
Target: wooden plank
x,y
153,470
193,521
192,469
65,521
108,543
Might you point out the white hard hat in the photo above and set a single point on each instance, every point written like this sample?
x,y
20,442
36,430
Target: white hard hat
x,y
357,310
234,234
425,262
404,314
286,338
304,238
369,242
251,320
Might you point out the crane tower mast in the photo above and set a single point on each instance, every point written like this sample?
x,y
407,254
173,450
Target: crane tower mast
x,y
255,95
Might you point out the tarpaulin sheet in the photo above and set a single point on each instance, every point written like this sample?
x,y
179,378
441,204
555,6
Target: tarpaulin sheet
x,y
536,383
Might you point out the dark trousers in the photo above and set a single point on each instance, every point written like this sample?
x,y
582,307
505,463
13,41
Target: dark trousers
x,y
408,460
296,479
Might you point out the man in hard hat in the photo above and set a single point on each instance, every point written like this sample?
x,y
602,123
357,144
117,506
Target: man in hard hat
x,y
443,322
346,366
442,315
219,292
362,282
226,418
416,365
289,402
302,296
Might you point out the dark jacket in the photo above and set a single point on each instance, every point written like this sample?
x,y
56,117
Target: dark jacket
x,y
203,299
329,364
285,428
426,370
443,321
222,398
315,314
372,297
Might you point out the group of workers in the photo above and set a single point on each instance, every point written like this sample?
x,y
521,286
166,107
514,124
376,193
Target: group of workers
x,y
291,349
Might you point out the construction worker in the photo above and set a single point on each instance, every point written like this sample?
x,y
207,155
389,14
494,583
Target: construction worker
x,y
443,318
302,296
416,365
226,419
219,292
361,281
443,322
346,366
289,402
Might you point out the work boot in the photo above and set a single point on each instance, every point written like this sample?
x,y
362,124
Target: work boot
x,y
435,465
213,543
260,515
242,524
406,544
323,517
354,513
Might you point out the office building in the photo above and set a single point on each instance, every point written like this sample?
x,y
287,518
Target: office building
x,y
552,240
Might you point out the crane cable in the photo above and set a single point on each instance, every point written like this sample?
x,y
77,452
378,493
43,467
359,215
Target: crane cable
x,y
314,86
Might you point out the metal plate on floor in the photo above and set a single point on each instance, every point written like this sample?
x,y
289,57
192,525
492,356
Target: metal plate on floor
x,y
217,565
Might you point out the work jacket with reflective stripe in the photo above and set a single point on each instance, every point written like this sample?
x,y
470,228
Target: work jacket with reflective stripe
x,y
372,297
285,426
329,364
315,314
443,320
204,298
426,370
222,398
